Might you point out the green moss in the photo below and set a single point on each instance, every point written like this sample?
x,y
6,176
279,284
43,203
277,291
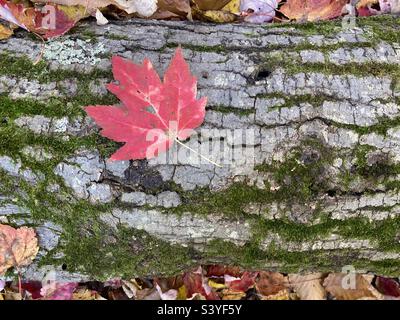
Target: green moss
x,y
325,28
113,36
381,168
274,258
382,28
193,47
377,69
230,110
298,181
89,250
53,107
24,67
316,100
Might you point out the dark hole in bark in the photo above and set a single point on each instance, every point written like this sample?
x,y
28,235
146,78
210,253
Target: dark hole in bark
x,y
262,74
331,193
64,267
204,75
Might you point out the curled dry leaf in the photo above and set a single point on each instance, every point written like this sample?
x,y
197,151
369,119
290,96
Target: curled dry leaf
x,y
131,288
177,8
313,10
340,287
308,287
271,283
5,32
18,247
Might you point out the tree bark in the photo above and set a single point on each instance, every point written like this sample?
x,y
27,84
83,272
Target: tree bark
x,y
313,185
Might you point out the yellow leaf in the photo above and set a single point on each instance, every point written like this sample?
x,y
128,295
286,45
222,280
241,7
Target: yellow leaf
x,y
182,293
224,14
228,294
216,285
74,13
5,32
232,7
365,3
218,16
83,294
281,295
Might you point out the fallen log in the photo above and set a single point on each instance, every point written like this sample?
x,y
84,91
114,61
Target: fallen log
x,y
313,186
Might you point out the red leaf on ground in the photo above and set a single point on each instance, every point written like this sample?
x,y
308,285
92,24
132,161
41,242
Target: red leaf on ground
x,y
243,284
153,114
220,271
33,287
52,26
58,291
312,10
49,21
388,286
196,283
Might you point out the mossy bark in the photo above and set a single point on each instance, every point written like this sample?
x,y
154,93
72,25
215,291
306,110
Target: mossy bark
x,y
323,102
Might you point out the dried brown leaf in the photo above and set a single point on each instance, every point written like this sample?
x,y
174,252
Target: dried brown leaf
x,y
211,4
228,294
18,247
5,32
308,287
337,285
271,283
281,295
179,7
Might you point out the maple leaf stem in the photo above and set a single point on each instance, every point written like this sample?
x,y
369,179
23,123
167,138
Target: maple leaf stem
x,y
19,283
205,158
42,49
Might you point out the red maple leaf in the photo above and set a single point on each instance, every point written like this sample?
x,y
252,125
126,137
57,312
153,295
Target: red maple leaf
x,y
153,114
